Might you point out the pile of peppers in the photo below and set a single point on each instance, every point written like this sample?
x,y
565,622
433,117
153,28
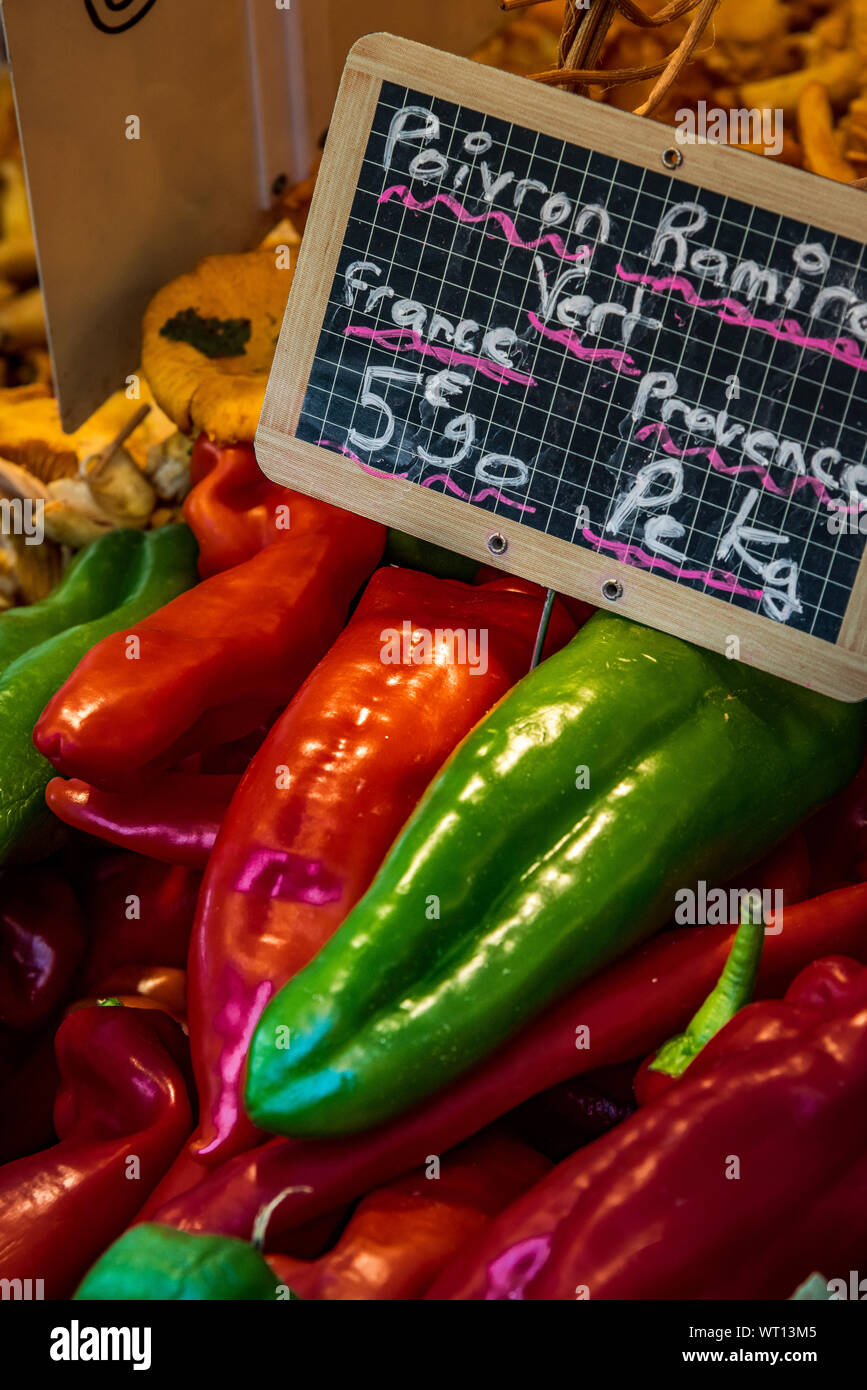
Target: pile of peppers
x,y
339,955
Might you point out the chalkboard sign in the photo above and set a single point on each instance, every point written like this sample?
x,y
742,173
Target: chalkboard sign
x,y
517,330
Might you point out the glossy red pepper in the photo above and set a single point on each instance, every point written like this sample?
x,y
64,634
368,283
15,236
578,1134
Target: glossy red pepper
x,y
173,816
324,798
163,983
144,987
121,1114
772,1113
400,1237
139,912
578,610
841,1210
627,1009
234,511
244,639
41,944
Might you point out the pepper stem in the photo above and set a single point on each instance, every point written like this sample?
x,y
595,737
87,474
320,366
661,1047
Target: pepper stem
x,y
732,991
264,1214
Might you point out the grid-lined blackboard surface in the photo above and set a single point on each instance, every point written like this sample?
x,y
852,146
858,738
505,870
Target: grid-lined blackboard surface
x,y
668,376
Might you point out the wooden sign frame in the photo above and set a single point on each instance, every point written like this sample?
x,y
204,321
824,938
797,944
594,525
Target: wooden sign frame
x,y
838,669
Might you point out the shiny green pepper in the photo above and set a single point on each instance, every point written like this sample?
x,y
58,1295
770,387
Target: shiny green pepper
x,y
153,1262
162,564
626,767
87,590
413,554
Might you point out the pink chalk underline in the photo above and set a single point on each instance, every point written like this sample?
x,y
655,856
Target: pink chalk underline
x,y
634,555
557,244
428,482
621,361
717,462
408,340
732,311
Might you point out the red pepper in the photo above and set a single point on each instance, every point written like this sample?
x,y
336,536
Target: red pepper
x,y
121,1114
786,870
173,817
139,912
234,757
838,836
244,638
324,798
400,1237
841,1210
164,984
178,1181
234,511
41,943
579,611
628,1009
144,987
687,1197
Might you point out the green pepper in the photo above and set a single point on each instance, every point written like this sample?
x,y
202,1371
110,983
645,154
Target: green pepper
x,y
626,767
413,554
87,590
152,1262
162,565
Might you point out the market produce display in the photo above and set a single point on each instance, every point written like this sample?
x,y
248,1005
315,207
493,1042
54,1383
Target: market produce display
x,y
525,863
343,954
783,1089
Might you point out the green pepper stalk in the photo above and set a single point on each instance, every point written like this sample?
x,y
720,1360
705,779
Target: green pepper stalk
x,y
813,1290
732,991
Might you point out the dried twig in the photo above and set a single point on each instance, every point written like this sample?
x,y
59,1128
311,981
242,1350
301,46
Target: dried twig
x,y
585,25
680,57
583,35
100,460
614,77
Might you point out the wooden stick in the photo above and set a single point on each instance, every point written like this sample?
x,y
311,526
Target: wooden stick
x,y
584,32
583,35
680,57
614,77
518,4
673,11
121,437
